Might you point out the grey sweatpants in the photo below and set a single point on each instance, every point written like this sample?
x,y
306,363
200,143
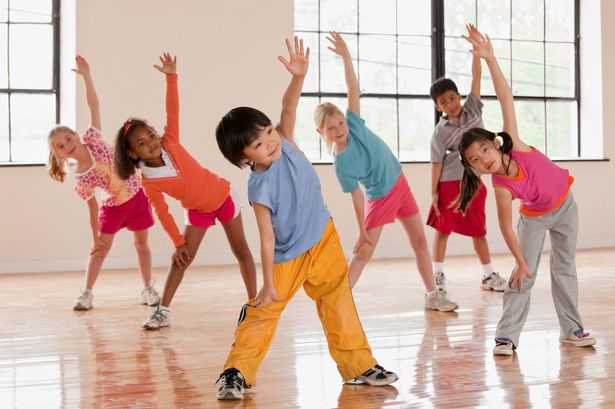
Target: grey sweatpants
x,y
563,226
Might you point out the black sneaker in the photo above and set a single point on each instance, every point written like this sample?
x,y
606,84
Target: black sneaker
x,y
231,384
374,376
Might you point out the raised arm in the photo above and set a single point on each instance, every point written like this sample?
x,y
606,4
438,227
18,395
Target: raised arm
x,y
476,68
169,68
352,84
83,69
297,66
481,47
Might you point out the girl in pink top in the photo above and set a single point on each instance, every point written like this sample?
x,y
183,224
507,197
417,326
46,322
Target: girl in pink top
x,y
167,168
520,171
123,202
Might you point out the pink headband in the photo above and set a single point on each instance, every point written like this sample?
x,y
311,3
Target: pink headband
x,y
126,128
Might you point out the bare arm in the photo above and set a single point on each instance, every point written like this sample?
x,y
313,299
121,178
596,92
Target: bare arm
x,y
476,68
504,204
436,171
267,294
83,69
481,47
93,209
352,84
297,66
358,203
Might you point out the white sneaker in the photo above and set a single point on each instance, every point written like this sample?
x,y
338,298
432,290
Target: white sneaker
x,y
85,301
494,283
149,296
374,376
503,347
160,317
440,280
579,339
438,300
232,385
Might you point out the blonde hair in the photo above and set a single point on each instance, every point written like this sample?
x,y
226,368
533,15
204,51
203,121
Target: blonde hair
x,y
321,112
57,165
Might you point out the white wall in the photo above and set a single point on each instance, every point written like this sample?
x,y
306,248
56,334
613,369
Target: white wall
x,y
226,57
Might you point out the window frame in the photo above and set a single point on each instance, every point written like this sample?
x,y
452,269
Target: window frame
x,y
55,82
438,69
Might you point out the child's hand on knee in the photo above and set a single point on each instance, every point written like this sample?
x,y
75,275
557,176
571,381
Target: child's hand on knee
x,y
265,296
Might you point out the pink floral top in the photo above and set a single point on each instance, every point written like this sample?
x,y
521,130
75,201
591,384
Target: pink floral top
x,y
101,174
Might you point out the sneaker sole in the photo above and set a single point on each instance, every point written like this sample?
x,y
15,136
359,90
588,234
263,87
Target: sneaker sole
x,y
489,288
230,395
503,352
585,343
80,308
155,328
441,310
370,382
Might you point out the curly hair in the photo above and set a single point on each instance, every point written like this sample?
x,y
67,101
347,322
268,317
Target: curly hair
x,y
124,165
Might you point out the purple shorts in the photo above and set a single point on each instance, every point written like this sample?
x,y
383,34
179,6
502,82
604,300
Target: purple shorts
x,y
399,203
229,209
135,214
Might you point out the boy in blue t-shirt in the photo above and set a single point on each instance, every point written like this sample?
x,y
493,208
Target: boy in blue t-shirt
x,y
299,244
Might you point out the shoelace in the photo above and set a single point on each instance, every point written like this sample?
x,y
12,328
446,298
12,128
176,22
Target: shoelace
x,y
158,315
230,378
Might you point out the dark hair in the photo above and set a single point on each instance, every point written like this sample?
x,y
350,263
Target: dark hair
x,y
440,86
237,129
470,183
125,165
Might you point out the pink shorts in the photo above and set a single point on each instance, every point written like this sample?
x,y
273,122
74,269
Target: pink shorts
x,y
229,209
399,203
473,224
135,214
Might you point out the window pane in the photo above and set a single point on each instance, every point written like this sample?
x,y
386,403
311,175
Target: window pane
x,y
377,64
492,115
28,131
332,66
311,79
560,70
560,20
414,17
305,130
414,65
338,15
528,68
377,17
306,15
562,135
415,128
528,20
380,116
4,79
458,62
4,127
502,52
4,10
31,11
458,13
494,18
531,122
31,56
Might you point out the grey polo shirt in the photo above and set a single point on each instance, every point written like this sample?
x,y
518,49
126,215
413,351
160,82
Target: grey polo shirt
x,y
446,138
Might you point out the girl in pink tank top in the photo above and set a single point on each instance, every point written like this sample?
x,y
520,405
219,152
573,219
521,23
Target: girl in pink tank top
x,y
521,171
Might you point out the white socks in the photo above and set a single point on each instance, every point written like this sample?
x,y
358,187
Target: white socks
x,y
487,270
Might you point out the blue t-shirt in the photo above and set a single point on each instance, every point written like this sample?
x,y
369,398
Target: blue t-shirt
x,y
291,190
366,159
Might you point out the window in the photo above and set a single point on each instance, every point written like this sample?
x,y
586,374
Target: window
x,y
28,78
397,58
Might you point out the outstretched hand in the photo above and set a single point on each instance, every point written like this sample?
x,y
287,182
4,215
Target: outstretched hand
x,y
339,45
299,60
169,64
481,44
83,68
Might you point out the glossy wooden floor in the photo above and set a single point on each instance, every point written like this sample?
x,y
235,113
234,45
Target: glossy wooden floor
x,y
53,357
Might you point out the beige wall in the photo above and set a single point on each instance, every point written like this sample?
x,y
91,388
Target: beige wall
x,y
226,57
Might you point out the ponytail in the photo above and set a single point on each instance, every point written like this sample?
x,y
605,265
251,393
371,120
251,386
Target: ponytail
x,y
57,167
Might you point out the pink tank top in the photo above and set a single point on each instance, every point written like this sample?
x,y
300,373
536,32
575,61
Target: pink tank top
x,y
541,185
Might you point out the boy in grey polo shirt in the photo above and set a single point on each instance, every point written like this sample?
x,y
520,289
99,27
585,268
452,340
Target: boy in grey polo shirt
x,y
446,173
